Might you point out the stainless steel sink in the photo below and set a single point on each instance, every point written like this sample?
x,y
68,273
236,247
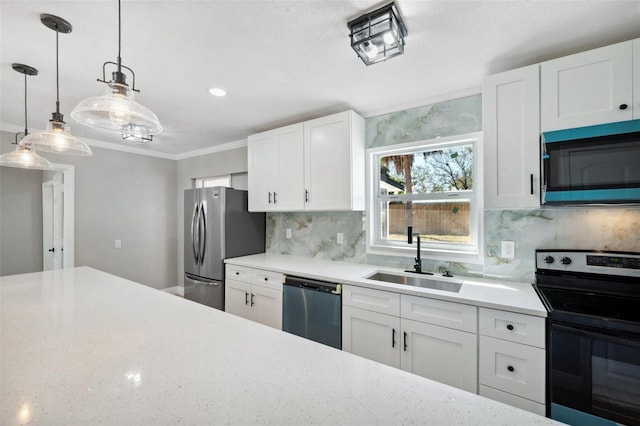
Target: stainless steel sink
x,y
417,281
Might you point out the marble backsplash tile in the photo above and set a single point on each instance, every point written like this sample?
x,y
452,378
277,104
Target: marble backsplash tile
x,y
313,234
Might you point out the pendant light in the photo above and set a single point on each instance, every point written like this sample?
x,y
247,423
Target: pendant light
x,y
116,110
57,137
24,155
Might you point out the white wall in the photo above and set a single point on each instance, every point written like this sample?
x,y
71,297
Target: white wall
x,y
123,196
20,217
220,163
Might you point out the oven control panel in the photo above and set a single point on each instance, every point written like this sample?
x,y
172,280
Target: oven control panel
x,y
597,262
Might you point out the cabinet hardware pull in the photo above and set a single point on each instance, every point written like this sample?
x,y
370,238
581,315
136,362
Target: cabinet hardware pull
x,y
266,278
306,195
269,198
510,368
531,183
252,295
405,341
274,197
237,273
623,106
393,337
246,298
509,327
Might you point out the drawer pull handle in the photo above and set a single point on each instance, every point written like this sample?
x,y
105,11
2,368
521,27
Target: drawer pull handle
x,y
623,106
252,295
510,368
246,298
237,273
269,198
266,278
393,337
509,327
405,341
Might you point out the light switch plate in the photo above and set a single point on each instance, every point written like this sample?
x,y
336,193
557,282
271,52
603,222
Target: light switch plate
x,y
118,244
508,250
288,233
340,238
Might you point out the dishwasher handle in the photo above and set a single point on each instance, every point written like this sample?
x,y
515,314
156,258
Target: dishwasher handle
x,y
313,285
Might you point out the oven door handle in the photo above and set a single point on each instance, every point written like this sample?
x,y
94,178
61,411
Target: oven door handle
x,y
615,336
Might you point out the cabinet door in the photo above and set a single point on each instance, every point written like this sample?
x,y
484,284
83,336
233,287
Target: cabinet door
x,y
263,169
511,125
289,194
442,354
587,88
329,161
236,298
371,335
267,306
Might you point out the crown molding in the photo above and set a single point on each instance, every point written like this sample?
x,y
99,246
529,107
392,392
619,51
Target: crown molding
x,y
11,128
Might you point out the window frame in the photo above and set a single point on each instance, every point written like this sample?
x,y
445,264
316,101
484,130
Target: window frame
x,y
471,252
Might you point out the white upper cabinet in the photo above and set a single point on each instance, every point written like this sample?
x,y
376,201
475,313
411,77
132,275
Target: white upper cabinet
x,y
275,166
315,165
511,125
588,88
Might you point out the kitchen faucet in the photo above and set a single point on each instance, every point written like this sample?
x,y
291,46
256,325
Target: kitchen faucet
x,y
417,266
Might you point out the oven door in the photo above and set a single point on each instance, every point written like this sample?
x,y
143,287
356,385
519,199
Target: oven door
x,y
595,376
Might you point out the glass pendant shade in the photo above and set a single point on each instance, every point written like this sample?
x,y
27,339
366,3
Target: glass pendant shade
x,y
116,111
25,157
378,35
57,138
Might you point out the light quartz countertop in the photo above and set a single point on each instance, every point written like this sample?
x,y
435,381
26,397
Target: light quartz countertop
x,y
496,294
79,346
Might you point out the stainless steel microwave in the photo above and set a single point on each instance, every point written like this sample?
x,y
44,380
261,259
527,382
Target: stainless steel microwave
x,y
592,165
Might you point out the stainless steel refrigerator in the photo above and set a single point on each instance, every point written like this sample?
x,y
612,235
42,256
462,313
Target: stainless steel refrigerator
x,y
217,225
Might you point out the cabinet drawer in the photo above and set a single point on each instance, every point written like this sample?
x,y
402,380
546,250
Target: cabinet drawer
x,y
512,326
268,279
513,368
439,312
238,273
381,301
515,401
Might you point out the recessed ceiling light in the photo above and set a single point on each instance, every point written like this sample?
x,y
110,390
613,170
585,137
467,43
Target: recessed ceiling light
x,y
216,91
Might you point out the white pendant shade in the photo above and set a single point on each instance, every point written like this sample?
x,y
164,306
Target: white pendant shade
x,y
25,157
116,111
57,139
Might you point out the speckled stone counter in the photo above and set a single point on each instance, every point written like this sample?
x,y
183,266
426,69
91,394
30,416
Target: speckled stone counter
x,y
496,294
80,346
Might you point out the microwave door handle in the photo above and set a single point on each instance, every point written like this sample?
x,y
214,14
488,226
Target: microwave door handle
x,y
194,230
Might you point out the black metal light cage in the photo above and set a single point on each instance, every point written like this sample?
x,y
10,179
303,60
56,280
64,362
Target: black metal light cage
x,y
378,35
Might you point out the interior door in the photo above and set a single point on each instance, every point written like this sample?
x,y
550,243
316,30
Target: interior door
x,y
52,244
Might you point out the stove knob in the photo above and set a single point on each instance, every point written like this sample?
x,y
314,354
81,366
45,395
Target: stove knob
x,y
549,259
565,260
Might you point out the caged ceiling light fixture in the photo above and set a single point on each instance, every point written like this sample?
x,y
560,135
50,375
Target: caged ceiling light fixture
x,y
117,110
57,137
379,35
24,156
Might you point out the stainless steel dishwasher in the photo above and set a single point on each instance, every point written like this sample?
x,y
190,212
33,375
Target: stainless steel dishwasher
x,y
313,309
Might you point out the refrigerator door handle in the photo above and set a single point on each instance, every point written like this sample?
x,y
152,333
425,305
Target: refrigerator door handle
x,y
194,230
203,218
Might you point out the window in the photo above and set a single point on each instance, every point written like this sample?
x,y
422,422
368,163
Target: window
x,y
429,185
213,181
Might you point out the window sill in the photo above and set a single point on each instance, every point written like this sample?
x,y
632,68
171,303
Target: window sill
x,y
472,257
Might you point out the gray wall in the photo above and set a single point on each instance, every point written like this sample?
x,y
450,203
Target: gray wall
x,y
220,163
124,196
20,217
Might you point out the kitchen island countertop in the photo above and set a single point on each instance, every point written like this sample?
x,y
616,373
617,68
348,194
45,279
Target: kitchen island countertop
x,y
79,346
488,293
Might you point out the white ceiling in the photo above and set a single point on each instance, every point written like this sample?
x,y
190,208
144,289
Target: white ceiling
x,y
279,61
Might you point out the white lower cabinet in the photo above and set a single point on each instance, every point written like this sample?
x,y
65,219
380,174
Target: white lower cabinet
x,y
254,294
440,353
512,359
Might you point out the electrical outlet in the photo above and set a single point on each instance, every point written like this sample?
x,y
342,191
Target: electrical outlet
x,y
118,244
287,233
508,250
340,238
